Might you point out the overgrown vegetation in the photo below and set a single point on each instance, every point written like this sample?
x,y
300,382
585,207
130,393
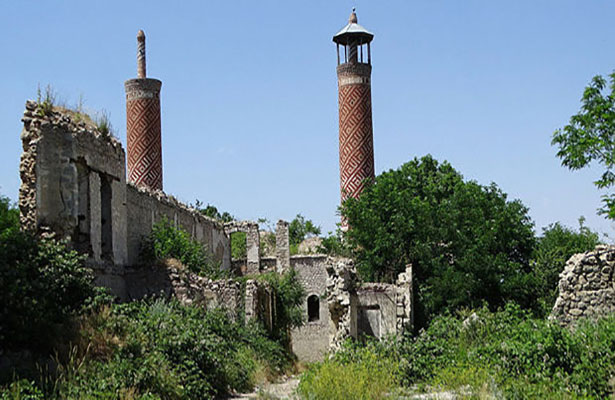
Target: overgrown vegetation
x,y
103,123
167,241
87,347
288,297
159,349
45,100
504,354
42,284
467,243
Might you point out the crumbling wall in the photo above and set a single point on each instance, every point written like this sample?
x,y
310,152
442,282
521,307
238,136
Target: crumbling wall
x,y
252,265
171,279
282,246
377,309
373,309
146,207
259,303
586,286
74,185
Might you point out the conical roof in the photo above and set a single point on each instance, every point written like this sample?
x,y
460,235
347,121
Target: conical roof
x,y
353,31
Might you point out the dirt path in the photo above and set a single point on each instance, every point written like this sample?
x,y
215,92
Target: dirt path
x,y
273,391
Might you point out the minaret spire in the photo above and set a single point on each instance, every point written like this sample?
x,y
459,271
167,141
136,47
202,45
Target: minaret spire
x,y
141,68
144,141
355,108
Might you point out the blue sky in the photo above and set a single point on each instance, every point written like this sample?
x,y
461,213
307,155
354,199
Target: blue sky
x,y
249,95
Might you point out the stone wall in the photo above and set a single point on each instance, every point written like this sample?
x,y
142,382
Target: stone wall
x,y
311,341
252,265
586,286
171,279
74,185
146,207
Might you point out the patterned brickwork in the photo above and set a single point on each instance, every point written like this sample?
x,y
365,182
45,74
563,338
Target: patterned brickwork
x,y
144,156
356,133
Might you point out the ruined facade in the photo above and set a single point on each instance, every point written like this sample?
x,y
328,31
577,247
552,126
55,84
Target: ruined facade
x,y
74,186
586,286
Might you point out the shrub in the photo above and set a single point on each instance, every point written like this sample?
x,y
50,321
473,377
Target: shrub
x,y
22,390
238,246
503,354
289,295
42,284
162,349
166,241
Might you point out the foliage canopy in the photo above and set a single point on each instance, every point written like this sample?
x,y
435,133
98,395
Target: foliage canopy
x,y
590,136
467,243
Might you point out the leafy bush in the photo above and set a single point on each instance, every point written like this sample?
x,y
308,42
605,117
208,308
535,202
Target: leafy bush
x,y
334,245
166,241
212,211
289,295
22,390
159,349
239,250
42,284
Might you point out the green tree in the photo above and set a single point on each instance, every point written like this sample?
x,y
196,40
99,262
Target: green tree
x,y
556,245
298,229
212,211
590,136
467,243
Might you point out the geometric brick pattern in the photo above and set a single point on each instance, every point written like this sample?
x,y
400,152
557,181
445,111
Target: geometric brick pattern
x,y
356,138
144,155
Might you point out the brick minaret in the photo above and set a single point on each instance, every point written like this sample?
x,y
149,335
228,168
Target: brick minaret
x,y
355,107
143,125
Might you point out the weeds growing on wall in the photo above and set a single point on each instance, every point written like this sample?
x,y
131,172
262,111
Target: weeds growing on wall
x,y
289,295
45,100
166,241
103,123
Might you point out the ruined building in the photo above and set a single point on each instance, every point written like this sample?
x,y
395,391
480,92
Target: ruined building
x,y
79,184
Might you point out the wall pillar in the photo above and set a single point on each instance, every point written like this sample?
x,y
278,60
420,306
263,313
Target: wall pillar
x,y
253,249
405,312
282,247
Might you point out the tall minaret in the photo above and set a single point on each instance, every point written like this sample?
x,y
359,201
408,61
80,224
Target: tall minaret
x,y
355,107
143,125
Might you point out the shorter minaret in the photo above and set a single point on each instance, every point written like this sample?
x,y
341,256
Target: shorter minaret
x,y
143,131
354,68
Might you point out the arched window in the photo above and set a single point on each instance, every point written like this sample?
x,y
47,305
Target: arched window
x,y
313,303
